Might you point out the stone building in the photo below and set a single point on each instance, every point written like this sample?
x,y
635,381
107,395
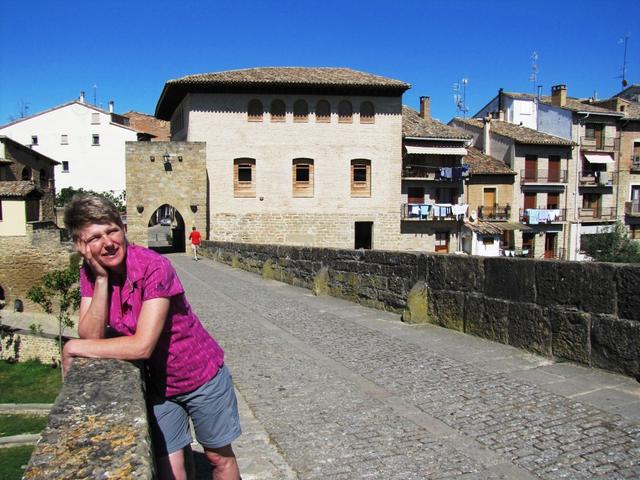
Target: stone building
x,y
299,156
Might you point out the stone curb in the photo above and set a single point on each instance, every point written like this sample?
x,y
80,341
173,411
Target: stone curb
x,y
15,440
35,408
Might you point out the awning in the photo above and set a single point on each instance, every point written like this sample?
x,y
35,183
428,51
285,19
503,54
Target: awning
x,y
511,226
436,150
598,157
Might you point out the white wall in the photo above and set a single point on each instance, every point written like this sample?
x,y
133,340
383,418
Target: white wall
x,y
91,167
14,218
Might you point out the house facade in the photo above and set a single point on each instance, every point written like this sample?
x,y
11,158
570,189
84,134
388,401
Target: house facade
x,y
298,156
87,141
543,169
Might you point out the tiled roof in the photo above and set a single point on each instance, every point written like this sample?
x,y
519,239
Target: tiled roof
x,y
17,189
516,132
481,164
276,79
18,145
573,104
144,123
632,111
413,125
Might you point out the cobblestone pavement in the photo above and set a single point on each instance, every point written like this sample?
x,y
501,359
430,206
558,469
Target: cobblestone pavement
x,y
347,392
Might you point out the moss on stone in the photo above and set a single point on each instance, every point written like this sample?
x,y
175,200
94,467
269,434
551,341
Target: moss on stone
x,y
268,271
321,282
417,310
235,262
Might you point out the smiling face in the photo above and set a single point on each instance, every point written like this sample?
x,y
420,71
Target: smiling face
x,y
107,244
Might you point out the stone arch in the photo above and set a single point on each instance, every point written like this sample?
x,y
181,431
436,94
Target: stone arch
x,y
166,229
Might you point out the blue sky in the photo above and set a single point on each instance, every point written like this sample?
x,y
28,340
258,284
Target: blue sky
x,y
129,49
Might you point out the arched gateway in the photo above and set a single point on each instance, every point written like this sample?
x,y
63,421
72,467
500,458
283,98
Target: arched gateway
x,y
166,180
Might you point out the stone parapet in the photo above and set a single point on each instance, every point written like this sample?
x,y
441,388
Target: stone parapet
x,y
98,426
583,312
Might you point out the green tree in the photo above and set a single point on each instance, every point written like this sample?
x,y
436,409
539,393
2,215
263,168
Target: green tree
x,y
612,246
65,194
60,285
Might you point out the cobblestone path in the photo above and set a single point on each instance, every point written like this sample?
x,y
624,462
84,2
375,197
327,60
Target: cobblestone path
x,y
346,392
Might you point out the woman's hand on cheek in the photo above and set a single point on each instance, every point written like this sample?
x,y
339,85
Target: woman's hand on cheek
x,y
96,268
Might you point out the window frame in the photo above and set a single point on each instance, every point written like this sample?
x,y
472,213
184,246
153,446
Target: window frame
x,y
323,118
95,139
302,188
34,140
345,118
439,246
360,188
297,117
277,118
65,166
367,119
257,105
64,139
95,118
243,188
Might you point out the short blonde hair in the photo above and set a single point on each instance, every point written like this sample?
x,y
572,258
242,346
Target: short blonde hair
x,y
85,209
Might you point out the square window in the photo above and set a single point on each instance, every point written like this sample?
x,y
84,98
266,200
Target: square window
x,y
302,173
244,173
95,139
34,140
359,173
95,118
64,139
65,166
244,177
360,178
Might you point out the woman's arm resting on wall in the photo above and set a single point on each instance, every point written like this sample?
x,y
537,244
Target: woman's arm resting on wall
x,y
138,346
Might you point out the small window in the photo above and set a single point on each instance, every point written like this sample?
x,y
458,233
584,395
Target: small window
x,y
360,178
277,111
345,112
367,112
64,139
65,166
0,209
442,242
95,119
95,139
34,139
634,230
255,110
302,177
323,112
43,177
363,235
244,177
300,111
26,173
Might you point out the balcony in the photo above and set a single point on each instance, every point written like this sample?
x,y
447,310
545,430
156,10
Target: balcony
x,y
600,143
434,173
598,213
433,211
494,212
632,209
536,216
543,176
598,178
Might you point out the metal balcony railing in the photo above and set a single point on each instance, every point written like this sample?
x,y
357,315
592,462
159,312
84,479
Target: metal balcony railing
x,y
543,176
632,208
494,212
454,173
433,211
535,216
599,213
597,178
600,143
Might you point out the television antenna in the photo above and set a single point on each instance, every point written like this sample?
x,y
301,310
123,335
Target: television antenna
x,y
533,77
624,40
460,96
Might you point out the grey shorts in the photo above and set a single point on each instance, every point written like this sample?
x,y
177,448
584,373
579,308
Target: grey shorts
x,y
213,410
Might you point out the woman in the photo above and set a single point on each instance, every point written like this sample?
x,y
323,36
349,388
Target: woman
x,y
134,293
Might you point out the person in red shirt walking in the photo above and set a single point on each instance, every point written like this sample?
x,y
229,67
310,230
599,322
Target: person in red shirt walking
x,y
195,236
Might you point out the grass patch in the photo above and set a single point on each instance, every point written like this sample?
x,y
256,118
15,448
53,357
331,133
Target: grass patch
x,y
13,461
19,424
28,382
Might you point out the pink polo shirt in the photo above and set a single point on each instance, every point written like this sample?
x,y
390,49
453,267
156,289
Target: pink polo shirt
x,y
186,356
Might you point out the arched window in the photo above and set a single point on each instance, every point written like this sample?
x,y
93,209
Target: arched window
x,y
300,111
323,112
367,112
302,177
345,112
360,178
277,111
26,173
255,110
244,177
43,177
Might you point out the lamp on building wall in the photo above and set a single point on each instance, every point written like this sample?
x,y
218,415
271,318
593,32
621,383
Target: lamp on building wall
x,y
167,162
152,158
140,208
194,207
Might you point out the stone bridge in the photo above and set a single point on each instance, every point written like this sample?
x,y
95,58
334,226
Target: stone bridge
x,y
333,389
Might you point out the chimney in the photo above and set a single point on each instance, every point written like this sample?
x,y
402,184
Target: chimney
x,y
110,106
81,96
425,108
559,95
486,136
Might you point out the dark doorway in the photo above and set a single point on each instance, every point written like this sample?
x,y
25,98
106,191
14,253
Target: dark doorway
x,y
363,235
166,230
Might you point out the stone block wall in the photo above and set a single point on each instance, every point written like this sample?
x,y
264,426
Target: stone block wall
x,y
98,426
23,346
583,312
25,259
